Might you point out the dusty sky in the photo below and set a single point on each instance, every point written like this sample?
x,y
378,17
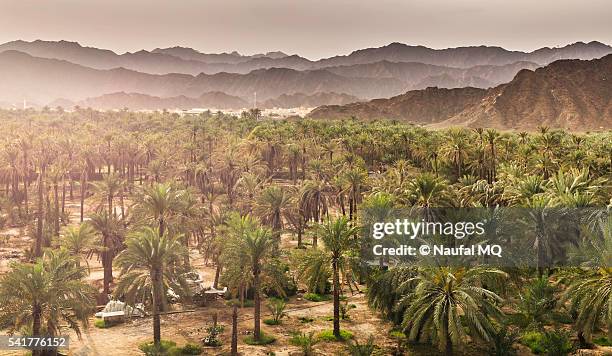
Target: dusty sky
x,y
312,28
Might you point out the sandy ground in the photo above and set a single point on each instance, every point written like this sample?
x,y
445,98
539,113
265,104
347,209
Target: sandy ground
x,y
190,326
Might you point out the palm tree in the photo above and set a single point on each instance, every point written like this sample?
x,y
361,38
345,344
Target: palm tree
x,y
80,239
107,190
437,300
43,294
273,207
160,202
111,230
251,247
337,235
150,264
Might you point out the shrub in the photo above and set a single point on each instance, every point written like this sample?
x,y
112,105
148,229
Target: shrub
x,y
263,340
344,310
533,340
357,349
212,337
537,302
557,343
314,297
503,342
305,342
602,341
277,309
100,324
328,335
191,349
271,322
149,348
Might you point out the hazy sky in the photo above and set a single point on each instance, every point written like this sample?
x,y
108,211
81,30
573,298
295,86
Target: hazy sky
x,y
312,28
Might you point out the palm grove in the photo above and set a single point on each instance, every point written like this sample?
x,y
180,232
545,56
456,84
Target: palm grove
x,y
282,200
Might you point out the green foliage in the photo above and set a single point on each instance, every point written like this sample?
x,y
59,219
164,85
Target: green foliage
x,y
100,324
277,309
357,349
502,343
305,341
191,349
537,302
212,336
53,283
602,341
328,335
314,297
264,340
150,349
345,307
557,343
534,340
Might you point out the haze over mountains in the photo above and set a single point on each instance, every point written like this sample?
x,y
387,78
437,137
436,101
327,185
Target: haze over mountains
x,y
62,72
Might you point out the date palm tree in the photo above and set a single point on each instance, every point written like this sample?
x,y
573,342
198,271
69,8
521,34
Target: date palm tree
x,y
150,264
442,301
43,294
78,240
337,236
251,247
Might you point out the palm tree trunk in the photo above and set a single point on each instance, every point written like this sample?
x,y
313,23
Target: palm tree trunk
x,y
234,351
56,208
83,191
257,304
26,181
156,281
39,222
336,300
107,265
36,324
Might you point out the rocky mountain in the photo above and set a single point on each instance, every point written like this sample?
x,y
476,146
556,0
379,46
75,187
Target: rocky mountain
x,y
573,94
426,106
44,80
189,61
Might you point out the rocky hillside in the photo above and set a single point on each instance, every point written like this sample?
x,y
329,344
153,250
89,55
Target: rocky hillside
x,y
574,94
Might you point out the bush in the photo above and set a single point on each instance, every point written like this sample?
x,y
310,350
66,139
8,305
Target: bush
x,y
553,343
503,342
264,340
305,342
602,341
533,340
328,335
272,322
314,297
537,302
357,349
212,338
149,348
100,324
191,349
277,309
557,343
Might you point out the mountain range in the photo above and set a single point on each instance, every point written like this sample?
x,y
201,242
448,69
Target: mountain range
x,y
572,94
52,72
